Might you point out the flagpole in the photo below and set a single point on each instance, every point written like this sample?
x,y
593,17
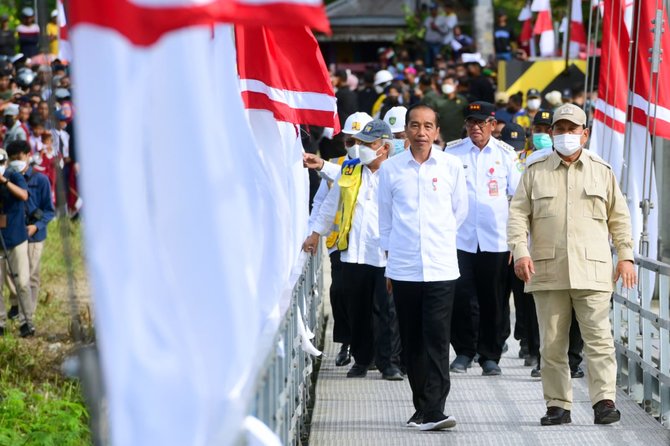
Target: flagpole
x,y
567,36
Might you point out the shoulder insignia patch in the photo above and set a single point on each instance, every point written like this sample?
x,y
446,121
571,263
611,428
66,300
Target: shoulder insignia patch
x,y
453,143
506,146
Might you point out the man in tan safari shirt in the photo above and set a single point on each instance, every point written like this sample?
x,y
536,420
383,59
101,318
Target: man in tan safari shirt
x,y
565,208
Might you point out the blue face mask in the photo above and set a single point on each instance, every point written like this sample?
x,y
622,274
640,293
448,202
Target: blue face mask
x,y
398,146
542,141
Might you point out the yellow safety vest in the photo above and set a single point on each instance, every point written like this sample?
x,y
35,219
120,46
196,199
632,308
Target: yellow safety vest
x,y
349,182
332,237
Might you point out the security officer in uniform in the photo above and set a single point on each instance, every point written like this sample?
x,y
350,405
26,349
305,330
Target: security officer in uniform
x,y
481,308
563,213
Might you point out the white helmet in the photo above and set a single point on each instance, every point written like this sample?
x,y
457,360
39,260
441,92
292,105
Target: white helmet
x,y
383,76
395,118
355,123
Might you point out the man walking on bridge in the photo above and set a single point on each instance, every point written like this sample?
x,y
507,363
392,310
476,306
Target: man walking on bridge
x,y
569,203
423,200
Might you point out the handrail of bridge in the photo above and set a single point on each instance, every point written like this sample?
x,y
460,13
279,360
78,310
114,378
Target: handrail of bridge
x,y
642,338
284,383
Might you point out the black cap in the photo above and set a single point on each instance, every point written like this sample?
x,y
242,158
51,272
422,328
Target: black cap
x,y
533,93
566,93
480,110
543,117
514,135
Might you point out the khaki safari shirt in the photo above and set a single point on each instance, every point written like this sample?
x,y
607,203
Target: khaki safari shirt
x,y
569,212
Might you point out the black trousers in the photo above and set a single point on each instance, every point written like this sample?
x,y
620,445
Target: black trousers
x,y
340,324
373,324
528,329
481,307
424,315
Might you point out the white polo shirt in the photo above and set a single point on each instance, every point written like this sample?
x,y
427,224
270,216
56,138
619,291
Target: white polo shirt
x,y
492,175
420,208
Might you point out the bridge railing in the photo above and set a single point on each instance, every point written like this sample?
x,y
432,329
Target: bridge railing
x,y
283,389
641,325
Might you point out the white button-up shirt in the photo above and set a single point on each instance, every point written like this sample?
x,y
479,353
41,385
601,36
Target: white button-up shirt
x,y
420,208
363,243
492,175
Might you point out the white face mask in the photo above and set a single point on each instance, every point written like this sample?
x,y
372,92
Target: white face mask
x,y
379,89
567,143
448,88
17,165
2,170
534,104
367,155
353,151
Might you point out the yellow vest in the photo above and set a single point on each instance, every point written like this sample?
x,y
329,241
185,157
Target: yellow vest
x,y
349,182
332,237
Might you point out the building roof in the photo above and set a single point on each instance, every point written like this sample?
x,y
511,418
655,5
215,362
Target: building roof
x,y
366,19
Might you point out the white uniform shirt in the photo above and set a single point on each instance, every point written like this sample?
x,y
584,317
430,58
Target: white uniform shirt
x,y
421,207
363,247
492,175
330,171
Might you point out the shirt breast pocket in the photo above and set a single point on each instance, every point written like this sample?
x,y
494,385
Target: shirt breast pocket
x,y
544,201
595,201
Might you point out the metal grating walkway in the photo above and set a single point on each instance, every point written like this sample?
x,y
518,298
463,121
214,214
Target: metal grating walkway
x,y
503,410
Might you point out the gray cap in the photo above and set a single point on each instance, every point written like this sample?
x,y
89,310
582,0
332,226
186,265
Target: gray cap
x,y
569,112
374,130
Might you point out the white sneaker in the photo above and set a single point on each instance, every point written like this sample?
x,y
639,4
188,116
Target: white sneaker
x,y
447,423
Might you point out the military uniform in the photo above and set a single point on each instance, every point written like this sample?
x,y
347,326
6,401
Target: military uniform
x,y
570,210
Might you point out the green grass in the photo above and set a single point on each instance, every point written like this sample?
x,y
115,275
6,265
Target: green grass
x,y
38,405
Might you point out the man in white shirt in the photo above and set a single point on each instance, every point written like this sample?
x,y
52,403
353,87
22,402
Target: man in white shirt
x,y
422,201
481,311
330,172
354,198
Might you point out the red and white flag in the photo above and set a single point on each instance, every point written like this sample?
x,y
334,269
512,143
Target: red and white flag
x,y
526,35
577,32
649,102
282,70
544,27
609,138
184,229
64,47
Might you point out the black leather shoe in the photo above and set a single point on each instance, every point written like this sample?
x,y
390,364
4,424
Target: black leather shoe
x,y
13,312
343,357
26,330
605,412
555,415
357,371
392,373
577,373
536,373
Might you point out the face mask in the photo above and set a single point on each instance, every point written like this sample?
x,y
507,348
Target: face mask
x,y
367,155
398,146
17,165
542,141
2,170
448,88
534,104
567,144
379,89
353,151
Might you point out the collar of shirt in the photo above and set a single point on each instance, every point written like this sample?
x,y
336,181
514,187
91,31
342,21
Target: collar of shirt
x,y
473,146
410,158
556,160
